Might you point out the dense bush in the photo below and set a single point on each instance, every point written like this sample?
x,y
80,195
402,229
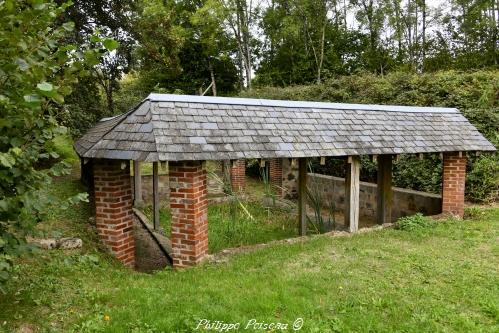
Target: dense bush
x,y
475,94
83,107
36,72
447,88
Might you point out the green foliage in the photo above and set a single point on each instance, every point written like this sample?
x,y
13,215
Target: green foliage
x,y
181,56
133,89
446,88
380,282
473,213
309,40
316,200
482,180
475,94
423,175
268,190
36,71
62,145
237,223
414,222
83,107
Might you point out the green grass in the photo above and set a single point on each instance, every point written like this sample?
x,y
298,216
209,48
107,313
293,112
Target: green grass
x,y
228,230
443,278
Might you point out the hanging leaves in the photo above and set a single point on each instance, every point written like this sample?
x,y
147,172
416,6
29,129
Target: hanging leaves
x,y
36,69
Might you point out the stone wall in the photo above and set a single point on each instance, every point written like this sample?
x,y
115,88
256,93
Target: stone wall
x,y
405,202
289,179
214,187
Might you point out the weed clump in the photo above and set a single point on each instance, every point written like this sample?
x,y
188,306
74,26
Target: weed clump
x,y
414,222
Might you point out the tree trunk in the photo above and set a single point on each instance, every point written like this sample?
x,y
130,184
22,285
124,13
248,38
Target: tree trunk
x,y
242,14
423,56
415,37
495,35
321,60
399,30
213,82
345,13
108,89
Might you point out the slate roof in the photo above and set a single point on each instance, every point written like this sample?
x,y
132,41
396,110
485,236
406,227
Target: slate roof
x,y
179,127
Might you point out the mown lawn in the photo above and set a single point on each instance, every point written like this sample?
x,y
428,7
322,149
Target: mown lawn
x,y
443,278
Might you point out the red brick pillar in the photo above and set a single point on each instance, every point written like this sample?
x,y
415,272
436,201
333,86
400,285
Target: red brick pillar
x,y
113,208
189,209
276,176
238,175
453,179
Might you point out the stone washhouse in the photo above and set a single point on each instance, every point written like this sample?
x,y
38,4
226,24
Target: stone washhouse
x,y
186,131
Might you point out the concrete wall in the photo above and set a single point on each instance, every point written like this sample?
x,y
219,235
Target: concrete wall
x,y
405,202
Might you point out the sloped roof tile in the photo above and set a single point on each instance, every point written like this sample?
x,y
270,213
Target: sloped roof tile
x,y
181,127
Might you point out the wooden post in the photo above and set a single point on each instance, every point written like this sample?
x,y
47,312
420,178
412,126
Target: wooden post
x,y
384,190
302,196
82,171
155,196
137,185
352,189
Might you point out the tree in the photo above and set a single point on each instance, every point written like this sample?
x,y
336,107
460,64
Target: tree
x,y
191,52
240,16
306,41
111,20
472,32
36,72
371,15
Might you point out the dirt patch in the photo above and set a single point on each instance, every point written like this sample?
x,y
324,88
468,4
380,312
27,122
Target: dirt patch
x,y
148,255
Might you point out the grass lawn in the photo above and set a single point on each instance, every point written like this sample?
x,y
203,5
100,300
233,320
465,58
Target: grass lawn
x,y
231,226
443,278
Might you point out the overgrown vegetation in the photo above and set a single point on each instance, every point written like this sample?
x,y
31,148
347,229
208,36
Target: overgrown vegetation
x,y
321,221
36,73
225,46
463,90
384,281
475,94
414,222
233,224
55,69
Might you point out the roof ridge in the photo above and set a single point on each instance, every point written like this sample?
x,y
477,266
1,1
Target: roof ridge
x,y
294,104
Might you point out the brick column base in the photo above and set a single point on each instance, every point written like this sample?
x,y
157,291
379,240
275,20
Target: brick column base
x,y
189,209
453,181
238,175
113,208
276,176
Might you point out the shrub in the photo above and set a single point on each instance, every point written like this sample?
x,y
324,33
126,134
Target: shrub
x,y
475,94
36,71
413,222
